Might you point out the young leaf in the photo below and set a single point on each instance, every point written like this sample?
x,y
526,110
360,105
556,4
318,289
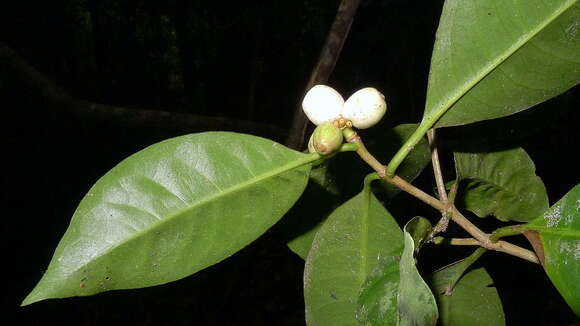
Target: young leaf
x,y
172,209
494,58
501,183
556,240
395,293
355,239
415,302
473,300
334,179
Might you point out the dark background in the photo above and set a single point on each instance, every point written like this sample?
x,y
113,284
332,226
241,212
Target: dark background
x,y
85,83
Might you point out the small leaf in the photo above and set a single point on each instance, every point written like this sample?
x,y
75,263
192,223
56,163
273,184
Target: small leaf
x,y
415,302
334,180
557,239
355,239
502,183
171,210
534,55
418,228
474,301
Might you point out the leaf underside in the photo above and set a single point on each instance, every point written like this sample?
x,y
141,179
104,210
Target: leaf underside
x,y
559,240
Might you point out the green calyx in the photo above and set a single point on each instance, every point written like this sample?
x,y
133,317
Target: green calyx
x,y
326,139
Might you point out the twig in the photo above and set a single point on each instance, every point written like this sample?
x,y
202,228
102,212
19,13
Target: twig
x,y
456,241
452,212
507,231
326,62
444,221
437,166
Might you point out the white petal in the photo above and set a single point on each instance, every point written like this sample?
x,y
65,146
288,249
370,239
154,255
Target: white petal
x,y
322,104
365,108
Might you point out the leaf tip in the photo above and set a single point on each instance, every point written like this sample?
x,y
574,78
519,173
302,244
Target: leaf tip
x,y
31,298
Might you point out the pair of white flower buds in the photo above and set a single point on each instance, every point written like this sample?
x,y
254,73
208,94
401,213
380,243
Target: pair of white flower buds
x,y
363,109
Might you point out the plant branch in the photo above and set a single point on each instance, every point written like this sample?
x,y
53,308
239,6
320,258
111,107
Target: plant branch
x,y
437,167
324,67
507,231
443,222
456,241
450,210
411,142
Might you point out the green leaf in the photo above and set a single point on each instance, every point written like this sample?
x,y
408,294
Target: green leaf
x,y
502,183
356,238
377,304
556,240
415,302
331,184
474,301
418,228
395,293
495,58
171,210
303,220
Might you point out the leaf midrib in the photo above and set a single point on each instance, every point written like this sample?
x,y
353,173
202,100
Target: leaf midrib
x,y
254,180
437,112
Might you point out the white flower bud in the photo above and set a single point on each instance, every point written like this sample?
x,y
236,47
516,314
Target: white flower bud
x,y
365,108
322,104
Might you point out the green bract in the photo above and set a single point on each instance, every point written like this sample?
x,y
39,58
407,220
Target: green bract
x,y
327,138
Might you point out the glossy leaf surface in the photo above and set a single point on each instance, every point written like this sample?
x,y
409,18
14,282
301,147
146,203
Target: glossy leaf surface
x,y
474,301
377,304
395,293
494,58
502,183
172,209
557,242
415,302
356,238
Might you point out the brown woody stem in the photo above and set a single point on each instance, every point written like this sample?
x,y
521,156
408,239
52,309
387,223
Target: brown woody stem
x,y
449,210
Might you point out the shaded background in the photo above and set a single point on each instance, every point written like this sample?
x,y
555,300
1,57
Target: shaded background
x,y
89,82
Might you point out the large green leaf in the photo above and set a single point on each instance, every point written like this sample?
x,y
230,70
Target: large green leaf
x,y
474,301
172,209
502,183
556,240
494,58
395,293
333,181
356,238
